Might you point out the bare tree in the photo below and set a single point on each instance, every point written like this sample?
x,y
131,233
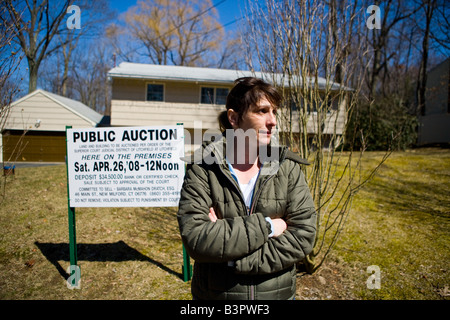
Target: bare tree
x,y
394,12
89,77
119,39
428,7
230,55
83,77
35,29
440,27
175,32
71,72
410,32
315,51
10,59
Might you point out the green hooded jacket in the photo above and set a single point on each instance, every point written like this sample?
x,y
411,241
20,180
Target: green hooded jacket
x,y
234,257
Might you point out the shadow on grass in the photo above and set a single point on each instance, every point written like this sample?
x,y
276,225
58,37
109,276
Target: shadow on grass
x,y
429,198
115,252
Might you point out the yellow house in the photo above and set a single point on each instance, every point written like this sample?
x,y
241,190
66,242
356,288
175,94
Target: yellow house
x,y
146,94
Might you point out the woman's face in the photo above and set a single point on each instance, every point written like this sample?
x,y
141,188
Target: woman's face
x,y
260,118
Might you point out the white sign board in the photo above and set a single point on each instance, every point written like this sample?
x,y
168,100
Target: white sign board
x,y
125,166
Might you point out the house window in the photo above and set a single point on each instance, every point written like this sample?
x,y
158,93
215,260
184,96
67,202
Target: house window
x,y
207,95
210,95
155,92
221,95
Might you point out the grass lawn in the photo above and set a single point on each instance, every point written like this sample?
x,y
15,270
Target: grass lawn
x,y
399,222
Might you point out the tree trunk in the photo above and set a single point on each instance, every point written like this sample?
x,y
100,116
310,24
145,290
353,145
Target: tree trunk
x,y
422,81
33,76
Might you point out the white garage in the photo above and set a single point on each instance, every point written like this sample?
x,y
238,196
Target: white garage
x,y
35,128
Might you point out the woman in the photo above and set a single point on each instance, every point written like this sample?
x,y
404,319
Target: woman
x,y
246,215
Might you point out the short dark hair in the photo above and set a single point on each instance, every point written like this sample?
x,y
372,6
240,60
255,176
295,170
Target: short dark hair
x,y
246,93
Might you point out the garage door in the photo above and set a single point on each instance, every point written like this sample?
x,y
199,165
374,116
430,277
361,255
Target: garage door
x,y
45,146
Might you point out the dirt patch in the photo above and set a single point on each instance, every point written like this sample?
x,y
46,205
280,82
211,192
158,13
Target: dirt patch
x,y
333,281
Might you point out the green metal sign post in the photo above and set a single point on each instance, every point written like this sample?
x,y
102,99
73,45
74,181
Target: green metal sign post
x,y
187,267
74,271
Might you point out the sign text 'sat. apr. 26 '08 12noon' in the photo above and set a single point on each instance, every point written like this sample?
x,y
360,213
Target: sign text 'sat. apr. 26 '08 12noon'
x,y
125,167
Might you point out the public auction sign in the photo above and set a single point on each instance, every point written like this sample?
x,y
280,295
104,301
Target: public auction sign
x,y
125,166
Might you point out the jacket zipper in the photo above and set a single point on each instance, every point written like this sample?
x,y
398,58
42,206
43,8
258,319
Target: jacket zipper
x,y
249,210
261,187
252,286
258,194
254,200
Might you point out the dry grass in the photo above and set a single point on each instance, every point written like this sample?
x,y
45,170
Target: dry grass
x,y
399,222
123,253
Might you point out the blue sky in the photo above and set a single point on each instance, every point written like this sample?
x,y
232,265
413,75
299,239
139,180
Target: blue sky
x,y
229,10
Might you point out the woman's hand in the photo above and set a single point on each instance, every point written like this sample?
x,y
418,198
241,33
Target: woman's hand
x,y
212,215
279,225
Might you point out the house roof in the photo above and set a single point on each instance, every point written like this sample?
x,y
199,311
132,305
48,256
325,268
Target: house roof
x,y
176,73
192,74
74,106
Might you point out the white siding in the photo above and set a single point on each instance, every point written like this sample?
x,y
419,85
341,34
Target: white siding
x,y
53,116
334,123
140,113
